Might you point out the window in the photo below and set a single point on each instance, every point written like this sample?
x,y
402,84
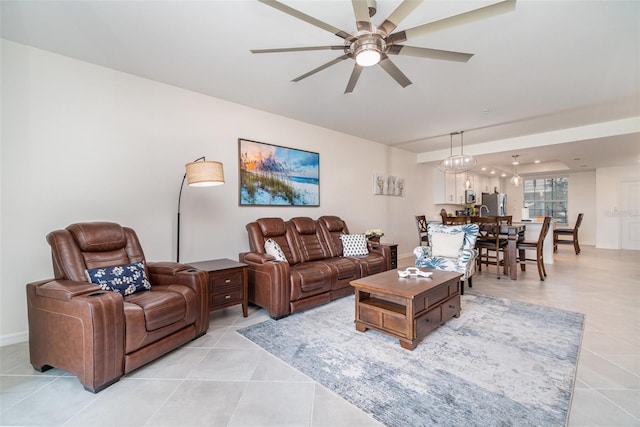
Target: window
x,y
547,197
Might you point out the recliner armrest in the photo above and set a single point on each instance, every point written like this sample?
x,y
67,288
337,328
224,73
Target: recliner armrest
x,y
269,283
256,258
77,327
166,268
173,273
65,290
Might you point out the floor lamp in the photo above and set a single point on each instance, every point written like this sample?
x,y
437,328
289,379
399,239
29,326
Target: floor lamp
x,y
199,173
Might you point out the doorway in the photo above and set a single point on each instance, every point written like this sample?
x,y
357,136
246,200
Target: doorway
x,y
630,215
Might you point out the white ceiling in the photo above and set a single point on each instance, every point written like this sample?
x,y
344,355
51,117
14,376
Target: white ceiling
x,y
544,68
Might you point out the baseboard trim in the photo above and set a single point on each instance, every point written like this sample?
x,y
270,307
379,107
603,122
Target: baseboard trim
x,y
14,338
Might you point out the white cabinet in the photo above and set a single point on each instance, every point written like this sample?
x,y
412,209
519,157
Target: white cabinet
x,y
485,184
448,188
439,184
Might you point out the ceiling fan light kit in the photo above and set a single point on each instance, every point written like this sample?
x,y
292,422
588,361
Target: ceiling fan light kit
x,y
368,49
370,44
460,162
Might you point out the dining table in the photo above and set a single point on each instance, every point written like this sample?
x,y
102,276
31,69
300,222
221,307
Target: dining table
x,y
513,233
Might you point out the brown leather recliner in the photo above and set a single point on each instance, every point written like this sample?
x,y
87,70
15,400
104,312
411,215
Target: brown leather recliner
x,y
100,335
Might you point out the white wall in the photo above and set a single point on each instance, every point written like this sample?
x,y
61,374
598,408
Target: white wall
x,y
582,187
582,191
81,143
608,182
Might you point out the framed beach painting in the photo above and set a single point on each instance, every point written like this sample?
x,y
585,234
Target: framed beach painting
x,y
271,175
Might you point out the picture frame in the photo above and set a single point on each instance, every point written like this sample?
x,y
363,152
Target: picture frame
x,y
388,185
273,175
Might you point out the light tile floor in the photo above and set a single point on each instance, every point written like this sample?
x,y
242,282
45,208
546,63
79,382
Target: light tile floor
x,y
223,379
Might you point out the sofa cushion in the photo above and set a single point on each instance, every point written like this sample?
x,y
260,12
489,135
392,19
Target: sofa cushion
x,y
271,247
354,244
124,279
160,308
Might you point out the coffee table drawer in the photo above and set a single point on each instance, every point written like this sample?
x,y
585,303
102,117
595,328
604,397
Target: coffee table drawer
x,y
393,322
431,299
451,308
428,322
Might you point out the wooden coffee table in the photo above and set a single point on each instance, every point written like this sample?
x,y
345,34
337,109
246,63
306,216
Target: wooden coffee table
x,y
406,308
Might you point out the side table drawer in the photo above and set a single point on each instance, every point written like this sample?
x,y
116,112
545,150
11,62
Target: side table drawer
x,y
225,281
226,298
394,257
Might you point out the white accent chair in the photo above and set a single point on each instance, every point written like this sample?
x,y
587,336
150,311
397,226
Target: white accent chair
x,y
451,248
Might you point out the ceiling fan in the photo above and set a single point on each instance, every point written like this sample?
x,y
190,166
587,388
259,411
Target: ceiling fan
x,y
370,44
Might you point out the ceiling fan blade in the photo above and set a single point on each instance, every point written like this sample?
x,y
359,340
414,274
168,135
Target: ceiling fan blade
x,y
297,49
361,10
355,75
320,68
453,21
398,15
423,52
306,18
394,71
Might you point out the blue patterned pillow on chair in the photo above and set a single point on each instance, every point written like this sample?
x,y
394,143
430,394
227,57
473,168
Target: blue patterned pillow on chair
x,y
124,279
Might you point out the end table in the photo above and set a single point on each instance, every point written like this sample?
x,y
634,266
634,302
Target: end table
x,y
227,283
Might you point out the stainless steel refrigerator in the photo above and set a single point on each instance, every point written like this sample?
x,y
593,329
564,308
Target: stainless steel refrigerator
x,y
496,203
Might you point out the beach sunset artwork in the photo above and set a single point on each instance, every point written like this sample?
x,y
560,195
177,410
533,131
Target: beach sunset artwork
x,y
271,175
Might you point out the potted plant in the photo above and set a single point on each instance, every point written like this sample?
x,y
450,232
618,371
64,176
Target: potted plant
x,y
374,234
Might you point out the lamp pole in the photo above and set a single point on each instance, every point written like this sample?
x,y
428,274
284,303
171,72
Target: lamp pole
x,y
199,174
179,199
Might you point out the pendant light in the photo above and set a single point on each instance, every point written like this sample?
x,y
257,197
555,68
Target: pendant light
x,y
467,183
515,179
460,162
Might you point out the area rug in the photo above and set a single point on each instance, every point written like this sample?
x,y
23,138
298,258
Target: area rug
x,y
501,363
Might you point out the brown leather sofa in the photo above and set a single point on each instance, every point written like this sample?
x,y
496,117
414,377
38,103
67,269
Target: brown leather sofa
x,y
315,273
100,335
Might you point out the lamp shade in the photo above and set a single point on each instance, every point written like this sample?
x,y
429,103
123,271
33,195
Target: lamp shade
x,y
204,174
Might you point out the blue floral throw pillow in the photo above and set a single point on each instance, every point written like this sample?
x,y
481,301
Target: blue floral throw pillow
x,y
123,279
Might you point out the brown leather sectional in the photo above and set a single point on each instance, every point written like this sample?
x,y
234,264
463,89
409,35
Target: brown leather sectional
x,y
315,273
101,335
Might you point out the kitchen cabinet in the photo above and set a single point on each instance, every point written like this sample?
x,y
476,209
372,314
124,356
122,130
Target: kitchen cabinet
x,y
485,184
448,188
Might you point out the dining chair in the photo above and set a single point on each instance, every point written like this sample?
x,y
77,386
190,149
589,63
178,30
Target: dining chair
x,y
572,232
443,215
455,220
489,240
505,220
421,224
537,245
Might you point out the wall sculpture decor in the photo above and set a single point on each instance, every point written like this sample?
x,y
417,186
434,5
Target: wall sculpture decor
x,y
388,185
